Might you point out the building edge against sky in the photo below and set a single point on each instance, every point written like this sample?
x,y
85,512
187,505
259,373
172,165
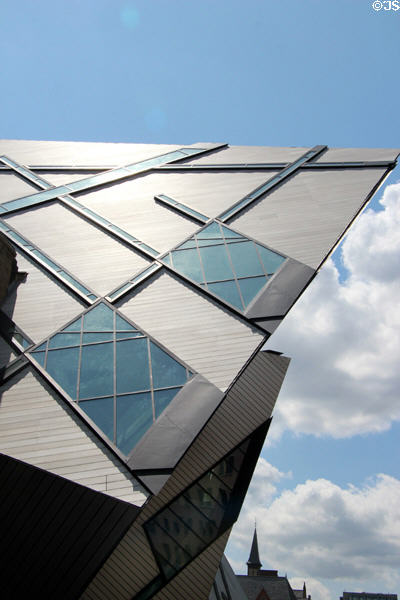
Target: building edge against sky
x,y
136,396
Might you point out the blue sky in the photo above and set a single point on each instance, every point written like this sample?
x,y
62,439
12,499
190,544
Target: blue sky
x,y
258,73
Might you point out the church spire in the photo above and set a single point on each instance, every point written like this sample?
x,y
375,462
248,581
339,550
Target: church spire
x,y
254,564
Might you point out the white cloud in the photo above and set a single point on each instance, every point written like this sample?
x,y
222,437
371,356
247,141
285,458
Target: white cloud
x,y
324,534
344,339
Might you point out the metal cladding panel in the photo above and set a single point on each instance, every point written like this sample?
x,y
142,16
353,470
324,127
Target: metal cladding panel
x,y
248,403
251,154
55,534
246,406
174,430
208,337
40,305
358,154
57,178
209,193
12,186
196,579
29,152
305,216
97,259
131,206
39,428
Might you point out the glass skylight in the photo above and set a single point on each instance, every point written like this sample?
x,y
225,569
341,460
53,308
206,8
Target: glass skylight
x,y
226,263
122,379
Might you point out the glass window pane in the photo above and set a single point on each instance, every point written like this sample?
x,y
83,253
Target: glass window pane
x,y
75,326
206,504
162,398
61,340
187,262
122,335
211,231
39,356
41,347
100,318
250,287
210,243
228,233
228,291
101,412
189,244
216,488
181,533
167,259
166,546
122,325
97,369
204,528
132,366
134,418
104,336
216,264
245,259
62,365
272,261
165,369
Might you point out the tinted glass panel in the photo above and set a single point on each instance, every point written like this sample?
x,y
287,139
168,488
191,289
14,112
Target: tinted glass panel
x,y
97,337
211,242
182,534
60,340
166,371
97,371
204,528
39,356
162,398
134,417
272,261
100,318
245,259
211,231
122,325
63,367
132,366
188,263
228,291
251,287
75,326
228,233
122,335
101,412
189,244
216,488
216,264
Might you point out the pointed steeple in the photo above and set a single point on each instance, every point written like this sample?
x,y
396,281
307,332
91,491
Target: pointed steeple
x,y
254,563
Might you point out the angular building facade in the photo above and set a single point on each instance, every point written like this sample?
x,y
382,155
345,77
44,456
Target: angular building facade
x,y
136,395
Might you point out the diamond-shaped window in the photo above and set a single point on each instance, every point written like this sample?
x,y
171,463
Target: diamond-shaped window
x,y
226,263
121,379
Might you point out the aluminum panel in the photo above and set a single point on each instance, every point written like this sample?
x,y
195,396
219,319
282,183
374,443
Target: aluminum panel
x,y
251,154
208,337
306,216
209,193
39,428
29,152
131,206
40,305
57,178
358,154
12,186
97,259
